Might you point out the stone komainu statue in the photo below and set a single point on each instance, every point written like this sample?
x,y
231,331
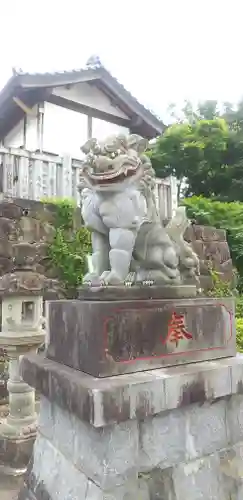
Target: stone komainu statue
x,y
118,205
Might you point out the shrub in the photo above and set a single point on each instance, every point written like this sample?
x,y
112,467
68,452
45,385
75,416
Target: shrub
x,y
220,288
239,307
70,246
239,334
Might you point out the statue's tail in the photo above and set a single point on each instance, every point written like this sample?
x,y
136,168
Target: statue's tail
x,y
176,229
177,226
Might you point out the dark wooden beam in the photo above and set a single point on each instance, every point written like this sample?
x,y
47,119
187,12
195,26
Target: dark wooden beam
x,y
136,121
6,124
10,116
87,110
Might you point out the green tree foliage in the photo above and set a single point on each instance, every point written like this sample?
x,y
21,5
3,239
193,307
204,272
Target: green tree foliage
x,y
203,150
192,152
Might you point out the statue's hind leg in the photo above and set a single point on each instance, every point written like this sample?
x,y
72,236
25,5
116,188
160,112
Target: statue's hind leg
x,y
156,257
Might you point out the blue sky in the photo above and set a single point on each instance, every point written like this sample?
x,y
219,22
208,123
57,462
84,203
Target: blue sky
x,y
162,51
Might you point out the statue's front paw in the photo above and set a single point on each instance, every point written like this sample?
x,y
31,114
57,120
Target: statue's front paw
x,y
91,279
111,278
104,276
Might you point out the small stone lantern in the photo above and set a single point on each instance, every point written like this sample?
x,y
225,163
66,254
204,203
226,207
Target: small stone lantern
x,y
22,332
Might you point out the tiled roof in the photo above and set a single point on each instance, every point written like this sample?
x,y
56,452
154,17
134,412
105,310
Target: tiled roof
x,y
92,72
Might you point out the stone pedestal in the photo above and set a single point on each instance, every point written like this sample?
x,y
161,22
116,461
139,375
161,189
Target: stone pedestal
x,y
170,433
117,330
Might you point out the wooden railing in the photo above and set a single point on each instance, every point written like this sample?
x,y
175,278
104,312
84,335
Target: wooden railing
x,y
33,175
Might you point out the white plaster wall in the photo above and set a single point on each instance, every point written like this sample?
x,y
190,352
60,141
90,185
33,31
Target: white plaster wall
x,y
89,95
102,129
31,131
65,131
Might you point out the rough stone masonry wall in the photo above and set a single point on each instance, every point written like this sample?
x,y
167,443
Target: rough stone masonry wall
x,y
210,244
26,230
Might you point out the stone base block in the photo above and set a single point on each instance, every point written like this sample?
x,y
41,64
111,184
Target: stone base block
x,y
134,333
195,453
105,401
163,434
218,476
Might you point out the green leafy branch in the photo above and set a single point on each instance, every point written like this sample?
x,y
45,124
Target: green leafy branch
x,y
71,243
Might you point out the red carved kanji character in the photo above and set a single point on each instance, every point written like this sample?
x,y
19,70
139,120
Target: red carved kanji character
x,y
177,329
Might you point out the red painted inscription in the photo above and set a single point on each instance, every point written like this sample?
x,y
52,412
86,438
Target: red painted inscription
x,y
177,329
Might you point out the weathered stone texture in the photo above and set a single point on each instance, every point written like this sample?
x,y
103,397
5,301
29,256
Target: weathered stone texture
x,y
210,244
183,435
26,229
105,401
105,338
15,453
193,452
108,456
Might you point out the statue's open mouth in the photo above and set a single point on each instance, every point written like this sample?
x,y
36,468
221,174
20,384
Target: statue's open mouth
x,y
110,177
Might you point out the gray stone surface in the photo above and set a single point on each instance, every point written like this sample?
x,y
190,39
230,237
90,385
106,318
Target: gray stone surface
x,y
206,430
133,490
106,338
192,451
57,474
160,484
218,476
111,455
199,480
102,402
54,477
235,418
183,434
162,440
108,456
